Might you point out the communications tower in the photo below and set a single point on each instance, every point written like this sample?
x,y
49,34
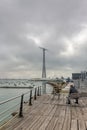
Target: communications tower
x,y
43,66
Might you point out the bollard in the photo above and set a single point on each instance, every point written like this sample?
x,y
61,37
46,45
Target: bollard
x,y
38,92
21,106
35,94
30,99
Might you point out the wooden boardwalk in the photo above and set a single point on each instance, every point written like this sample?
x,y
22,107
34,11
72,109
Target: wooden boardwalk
x,y
48,114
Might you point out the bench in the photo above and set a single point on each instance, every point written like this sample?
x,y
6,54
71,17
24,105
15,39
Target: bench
x,y
74,95
77,95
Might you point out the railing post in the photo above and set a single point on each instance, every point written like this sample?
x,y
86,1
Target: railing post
x,y
21,106
38,92
30,99
35,94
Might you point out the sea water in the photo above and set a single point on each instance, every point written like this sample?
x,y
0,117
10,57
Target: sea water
x,y
7,93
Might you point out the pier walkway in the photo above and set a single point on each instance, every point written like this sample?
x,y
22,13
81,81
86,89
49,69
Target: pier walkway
x,y
48,114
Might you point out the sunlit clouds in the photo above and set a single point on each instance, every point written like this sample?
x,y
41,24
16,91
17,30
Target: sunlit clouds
x,y
81,37
69,51
35,39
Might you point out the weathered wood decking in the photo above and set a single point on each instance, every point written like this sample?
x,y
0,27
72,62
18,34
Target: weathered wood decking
x,y
48,114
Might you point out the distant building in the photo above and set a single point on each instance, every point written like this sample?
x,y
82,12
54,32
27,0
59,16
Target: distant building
x,y
82,75
76,75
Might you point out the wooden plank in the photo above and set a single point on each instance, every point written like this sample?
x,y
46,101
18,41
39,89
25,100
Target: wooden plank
x,y
46,98
61,118
45,123
67,121
66,124
53,111
52,123
62,100
42,111
57,111
37,110
10,124
79,113
74,125
81,125
37,124
59,124
73,113
48,110
86,124
27,123
30,125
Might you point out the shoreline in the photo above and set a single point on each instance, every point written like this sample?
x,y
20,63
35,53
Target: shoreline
x,y
17,87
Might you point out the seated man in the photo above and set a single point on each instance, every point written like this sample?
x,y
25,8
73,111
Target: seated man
x,y
72,90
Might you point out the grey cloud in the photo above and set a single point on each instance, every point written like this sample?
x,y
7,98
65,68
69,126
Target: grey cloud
x,y
50,21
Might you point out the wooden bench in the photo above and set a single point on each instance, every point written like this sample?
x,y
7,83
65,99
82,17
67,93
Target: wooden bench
x,y
77,95
74,95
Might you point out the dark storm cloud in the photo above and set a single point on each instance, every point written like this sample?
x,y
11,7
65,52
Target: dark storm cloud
x,y
59,25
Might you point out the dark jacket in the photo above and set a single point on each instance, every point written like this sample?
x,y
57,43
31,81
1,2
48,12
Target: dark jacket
x,y
73,90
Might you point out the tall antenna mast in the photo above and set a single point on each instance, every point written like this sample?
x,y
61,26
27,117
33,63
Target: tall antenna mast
x,y
43,66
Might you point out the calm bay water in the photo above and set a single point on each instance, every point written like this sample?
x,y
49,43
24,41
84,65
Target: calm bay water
x,y
7,93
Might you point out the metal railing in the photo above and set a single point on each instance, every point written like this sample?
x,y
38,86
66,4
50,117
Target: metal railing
x,y
17,103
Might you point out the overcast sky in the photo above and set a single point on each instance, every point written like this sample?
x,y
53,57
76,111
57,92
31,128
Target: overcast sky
x,y
58,25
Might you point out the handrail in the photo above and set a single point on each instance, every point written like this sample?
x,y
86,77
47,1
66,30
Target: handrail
x,y
5,118
9,109
37,92
9,99
13,98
